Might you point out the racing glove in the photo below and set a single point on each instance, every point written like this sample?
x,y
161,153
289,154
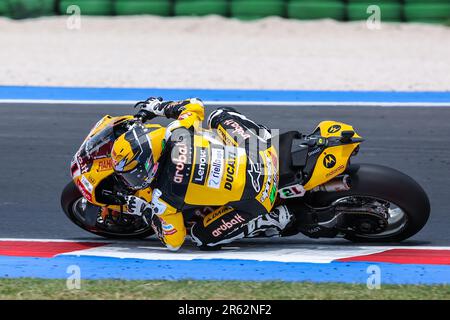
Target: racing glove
x,y
152,213
149,108
137,206
153,107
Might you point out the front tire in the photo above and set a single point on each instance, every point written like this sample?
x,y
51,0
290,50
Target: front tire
x,y
390,185
71,195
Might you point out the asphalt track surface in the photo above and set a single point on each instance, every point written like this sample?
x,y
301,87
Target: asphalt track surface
x,y
38,141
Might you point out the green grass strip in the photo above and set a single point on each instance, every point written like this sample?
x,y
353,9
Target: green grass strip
x,y
228,290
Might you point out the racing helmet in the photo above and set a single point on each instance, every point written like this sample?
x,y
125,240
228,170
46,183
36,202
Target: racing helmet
x,y
133,158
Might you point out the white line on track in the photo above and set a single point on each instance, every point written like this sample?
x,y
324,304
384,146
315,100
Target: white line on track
x,y
239,103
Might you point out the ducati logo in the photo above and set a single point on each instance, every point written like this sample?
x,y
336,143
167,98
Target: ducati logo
x,y
334,128
329,161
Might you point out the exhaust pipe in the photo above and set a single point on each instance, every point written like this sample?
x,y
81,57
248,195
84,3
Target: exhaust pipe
x,y
336,185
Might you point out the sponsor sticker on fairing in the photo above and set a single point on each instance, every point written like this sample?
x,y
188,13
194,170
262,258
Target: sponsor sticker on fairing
x,y
334,128
329,161
89,187
217,168
335,171
315,151
83,191
105,165
293,191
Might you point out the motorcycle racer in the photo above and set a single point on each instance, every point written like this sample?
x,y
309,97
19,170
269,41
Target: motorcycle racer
x,y
232,166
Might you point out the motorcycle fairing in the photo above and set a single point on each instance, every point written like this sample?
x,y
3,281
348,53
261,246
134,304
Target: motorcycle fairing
x,y
92,163
334,158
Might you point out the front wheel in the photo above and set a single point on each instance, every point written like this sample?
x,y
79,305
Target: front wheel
x,y
383,188
85,215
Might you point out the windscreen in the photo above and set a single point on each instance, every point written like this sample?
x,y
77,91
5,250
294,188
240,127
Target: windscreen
x,y
96,147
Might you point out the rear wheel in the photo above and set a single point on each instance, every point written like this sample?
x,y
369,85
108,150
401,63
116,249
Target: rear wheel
x,y
87,216
384,190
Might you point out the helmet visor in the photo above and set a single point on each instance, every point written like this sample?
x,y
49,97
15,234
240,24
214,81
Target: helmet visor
x,y
141,176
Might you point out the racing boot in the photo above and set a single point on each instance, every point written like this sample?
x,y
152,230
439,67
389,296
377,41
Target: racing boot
x,y
271,224
274,224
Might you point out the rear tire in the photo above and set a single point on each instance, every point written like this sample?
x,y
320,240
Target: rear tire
x,y
387,184
71,194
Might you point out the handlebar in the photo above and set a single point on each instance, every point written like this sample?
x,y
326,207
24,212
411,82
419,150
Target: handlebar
x,y
120,197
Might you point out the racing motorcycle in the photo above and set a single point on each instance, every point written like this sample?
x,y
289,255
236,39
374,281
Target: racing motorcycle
x,y
359,202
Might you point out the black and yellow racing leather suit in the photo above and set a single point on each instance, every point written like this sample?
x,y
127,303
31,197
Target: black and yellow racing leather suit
x,y
232,165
